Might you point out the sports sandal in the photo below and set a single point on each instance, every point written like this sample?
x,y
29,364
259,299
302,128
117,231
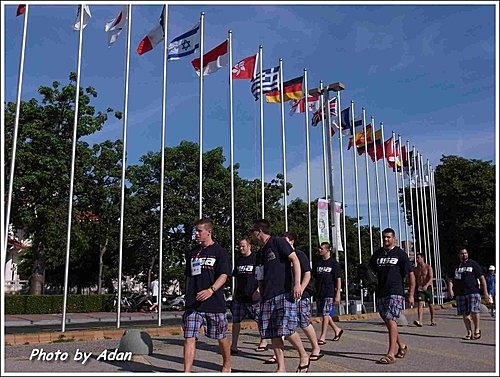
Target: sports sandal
x,y
402,352
336,338
321,342
261,348
387,359
417,323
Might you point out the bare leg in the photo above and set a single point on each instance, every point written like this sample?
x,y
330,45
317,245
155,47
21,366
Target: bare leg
x,y
431,311
392,326
262,344
468,323
189,352
278,346
420,311
296,342
311,335
324,327
235,333
476,320
224,347
333,325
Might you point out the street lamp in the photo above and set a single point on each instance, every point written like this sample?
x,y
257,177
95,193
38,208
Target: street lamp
x,y
324,91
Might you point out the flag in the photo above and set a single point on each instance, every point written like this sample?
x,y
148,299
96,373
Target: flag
x,y
299,105
86,17
20,9
391,153
246,69
213,60
116,25
292,89
155,36
318,116
359,137
376,148
270,81
185,44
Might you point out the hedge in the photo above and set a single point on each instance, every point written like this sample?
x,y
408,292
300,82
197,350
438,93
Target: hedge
x,y
53,304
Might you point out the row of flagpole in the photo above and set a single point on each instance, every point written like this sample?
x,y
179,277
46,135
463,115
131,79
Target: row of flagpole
x,y
327,161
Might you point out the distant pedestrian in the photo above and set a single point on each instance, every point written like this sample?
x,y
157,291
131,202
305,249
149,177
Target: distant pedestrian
x,y
391,264
328,285
492,288
423,276
154,295
207,269
280,291
464,285
246,300
304,304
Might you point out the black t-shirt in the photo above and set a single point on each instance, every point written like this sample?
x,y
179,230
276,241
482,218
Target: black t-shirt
x,y
244,272
465,277
277,267
214,262
304,267
391,266
326,272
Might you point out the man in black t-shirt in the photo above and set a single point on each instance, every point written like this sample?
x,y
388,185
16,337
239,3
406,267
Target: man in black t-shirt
x,y
246,301
278,310
465,288
207,269
391,264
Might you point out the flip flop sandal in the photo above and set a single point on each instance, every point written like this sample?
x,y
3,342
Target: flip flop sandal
x,y
417,323
433,324
321,342
402,352
387,359
467,337
477,335
336,338
261,349
303,368
316,357
271,360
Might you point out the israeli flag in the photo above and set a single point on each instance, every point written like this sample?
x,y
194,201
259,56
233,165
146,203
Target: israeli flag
x,y
185,44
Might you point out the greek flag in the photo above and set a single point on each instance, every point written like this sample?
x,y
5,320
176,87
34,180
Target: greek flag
x,y
270,81
185,44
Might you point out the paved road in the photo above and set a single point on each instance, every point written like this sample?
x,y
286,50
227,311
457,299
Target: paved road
x,y
437,349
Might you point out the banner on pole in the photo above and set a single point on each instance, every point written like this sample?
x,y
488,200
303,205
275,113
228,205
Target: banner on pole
x,y
323,223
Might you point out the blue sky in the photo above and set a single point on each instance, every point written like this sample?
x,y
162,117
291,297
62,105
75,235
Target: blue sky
x,y
427,71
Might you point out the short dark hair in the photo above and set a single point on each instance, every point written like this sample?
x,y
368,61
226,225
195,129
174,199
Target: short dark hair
x,y
421,255
389,230
206,222
290,235
462,247
262,225
326,244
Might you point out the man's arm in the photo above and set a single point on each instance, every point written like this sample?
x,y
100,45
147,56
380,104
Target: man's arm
x,y
305,280
297,288
429,277
483,287
209,292
338,286
450,288
411,288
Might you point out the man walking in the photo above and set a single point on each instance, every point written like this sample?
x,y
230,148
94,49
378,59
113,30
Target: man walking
x,y
424,276
278,313
464,285
391,264
207,269
492,287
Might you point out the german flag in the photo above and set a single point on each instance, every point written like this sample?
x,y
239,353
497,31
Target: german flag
x,y
292,90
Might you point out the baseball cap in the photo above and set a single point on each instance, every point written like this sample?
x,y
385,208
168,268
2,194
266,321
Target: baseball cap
x,y
491,268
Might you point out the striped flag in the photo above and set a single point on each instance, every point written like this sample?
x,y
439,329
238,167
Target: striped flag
x,y
185,44
270,81
155,36
86,17
213,60
292,89
116,25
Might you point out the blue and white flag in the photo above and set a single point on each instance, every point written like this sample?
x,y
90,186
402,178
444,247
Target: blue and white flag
x,y
185,44
270,81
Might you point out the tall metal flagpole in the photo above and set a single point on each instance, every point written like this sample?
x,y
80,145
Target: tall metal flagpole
x,y
162,167
72,174
231,139
202,16
437,271
124,166
415,162
261,103
331,195
410,168
427,222
405,215
385,177
325,168
283,142
396,159
422,205
436,230
377,179
308,165
14,137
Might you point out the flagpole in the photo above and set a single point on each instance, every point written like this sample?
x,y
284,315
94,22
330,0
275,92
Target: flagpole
x,y
385,177
200,212
426,182
436,230
374,135
261,103
437,269
410,168
322,115
405,215
14,137
395,160
124,166
308,165
283,143
331,194
72,174
415,159
162,168
231,140
422,205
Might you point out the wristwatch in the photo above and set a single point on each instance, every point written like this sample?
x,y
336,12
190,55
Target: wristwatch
x,y
212,288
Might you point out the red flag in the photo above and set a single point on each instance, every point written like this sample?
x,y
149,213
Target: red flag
x,y
299,105
246,68
20,9
154,37
212,60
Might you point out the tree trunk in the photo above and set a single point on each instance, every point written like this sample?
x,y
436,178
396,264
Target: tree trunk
x,y
102,251
37,278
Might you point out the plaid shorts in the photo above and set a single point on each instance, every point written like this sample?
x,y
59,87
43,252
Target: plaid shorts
x,y
304,312
325,306
215,324
278,317
468,304
240,310
389,307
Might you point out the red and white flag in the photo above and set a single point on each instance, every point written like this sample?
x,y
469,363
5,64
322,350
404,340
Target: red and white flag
x,y
213,59
299,105
155,36
20,9
245,69
116,25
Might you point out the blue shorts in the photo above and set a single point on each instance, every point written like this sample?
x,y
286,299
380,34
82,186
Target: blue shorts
x,y
325,306
468,304
389,307
215,324
240,310
278,317
304,312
